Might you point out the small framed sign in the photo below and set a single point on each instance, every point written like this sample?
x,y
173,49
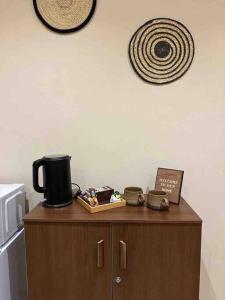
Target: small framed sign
x,y
170,181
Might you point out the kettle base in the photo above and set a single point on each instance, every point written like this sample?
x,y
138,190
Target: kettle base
x,y
47,205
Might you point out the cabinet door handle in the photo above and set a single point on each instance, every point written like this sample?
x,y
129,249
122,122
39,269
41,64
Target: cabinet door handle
x,y
123,255
100,255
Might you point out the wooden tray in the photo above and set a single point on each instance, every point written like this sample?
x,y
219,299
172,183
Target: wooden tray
x,y
101,207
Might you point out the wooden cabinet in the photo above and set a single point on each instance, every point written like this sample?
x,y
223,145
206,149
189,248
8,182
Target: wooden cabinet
x,y
129,253
162,261
62,261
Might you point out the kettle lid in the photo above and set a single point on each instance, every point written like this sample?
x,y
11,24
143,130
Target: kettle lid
x,y
56,157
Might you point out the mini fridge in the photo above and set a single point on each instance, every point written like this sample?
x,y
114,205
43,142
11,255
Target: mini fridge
x,y
13,281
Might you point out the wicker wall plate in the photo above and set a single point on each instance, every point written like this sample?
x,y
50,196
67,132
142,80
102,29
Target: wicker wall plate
x,y
64,15
161,50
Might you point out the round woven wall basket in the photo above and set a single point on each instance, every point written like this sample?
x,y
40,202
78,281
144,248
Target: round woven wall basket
x,y
64,15
161,51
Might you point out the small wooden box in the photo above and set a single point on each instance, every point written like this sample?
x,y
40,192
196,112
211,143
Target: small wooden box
x,y
104,195
101,207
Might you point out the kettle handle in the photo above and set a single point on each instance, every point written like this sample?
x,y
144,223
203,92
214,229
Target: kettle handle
x,y
36,165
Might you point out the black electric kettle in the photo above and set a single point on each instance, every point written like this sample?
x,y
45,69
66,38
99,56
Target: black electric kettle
x,y
57,186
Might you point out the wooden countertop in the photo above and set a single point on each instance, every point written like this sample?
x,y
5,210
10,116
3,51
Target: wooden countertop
x,y
182,213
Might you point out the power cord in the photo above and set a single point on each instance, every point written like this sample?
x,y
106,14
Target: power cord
x,y
78,192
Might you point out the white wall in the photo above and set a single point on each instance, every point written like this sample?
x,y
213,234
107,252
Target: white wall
x,y
78,94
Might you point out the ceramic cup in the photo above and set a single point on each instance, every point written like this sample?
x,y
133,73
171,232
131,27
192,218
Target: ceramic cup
x,y
134,196
158,200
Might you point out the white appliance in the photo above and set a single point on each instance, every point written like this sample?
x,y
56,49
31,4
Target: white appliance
x,y
13,282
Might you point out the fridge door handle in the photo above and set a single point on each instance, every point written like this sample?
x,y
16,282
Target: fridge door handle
x,y
7,211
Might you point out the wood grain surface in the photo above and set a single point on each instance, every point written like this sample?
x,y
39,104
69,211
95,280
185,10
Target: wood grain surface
x,y
75,255
62,261
182,213
163,261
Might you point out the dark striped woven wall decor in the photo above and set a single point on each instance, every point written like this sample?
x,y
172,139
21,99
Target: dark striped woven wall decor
x,y
161,50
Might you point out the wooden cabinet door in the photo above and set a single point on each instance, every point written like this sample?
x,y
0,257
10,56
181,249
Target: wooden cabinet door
x,y
162,261
62,261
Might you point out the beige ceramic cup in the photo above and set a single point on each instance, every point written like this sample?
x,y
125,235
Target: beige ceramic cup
x,y
134,196
158,200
